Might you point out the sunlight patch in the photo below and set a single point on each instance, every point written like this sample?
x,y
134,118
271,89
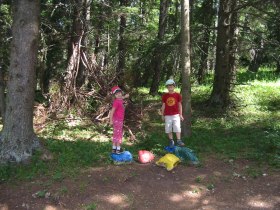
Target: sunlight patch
x,y
257,202
176,198
100,138
206,202
48,207
193,194
117,199
4,206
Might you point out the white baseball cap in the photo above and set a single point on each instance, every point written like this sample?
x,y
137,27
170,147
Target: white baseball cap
x,y
170,82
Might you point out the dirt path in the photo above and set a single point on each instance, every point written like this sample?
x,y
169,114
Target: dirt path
x,y
215,185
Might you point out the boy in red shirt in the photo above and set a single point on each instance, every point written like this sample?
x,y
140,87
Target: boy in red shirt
x,y
172,113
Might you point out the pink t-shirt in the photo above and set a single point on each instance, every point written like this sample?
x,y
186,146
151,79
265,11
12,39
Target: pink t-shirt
x,y
119,112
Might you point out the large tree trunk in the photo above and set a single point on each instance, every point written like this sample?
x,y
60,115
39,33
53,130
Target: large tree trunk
x,y
122,47
79,38
156,60
233,45
256,57
4,55
2,94
220,95
278,66
186,68
205,45
18,139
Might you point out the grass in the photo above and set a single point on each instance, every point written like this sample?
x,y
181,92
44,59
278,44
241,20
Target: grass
x,y
250,131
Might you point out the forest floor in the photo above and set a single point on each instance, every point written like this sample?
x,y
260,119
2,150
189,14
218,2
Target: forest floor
x,y
215,184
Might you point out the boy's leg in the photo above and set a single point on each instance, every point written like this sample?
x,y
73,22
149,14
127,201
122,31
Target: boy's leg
x,y
168,129
170,136
171,142
177,130
178,135
179,141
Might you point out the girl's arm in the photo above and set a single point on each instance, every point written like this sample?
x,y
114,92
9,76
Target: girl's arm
x,y
126,96
111,115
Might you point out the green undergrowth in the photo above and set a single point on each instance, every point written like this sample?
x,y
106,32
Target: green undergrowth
x,y
250,130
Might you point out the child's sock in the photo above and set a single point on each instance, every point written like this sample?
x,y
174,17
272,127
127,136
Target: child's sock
x,y
118,148
114,149
171,143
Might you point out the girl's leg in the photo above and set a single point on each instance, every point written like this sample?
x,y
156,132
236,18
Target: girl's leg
x,y
118,134
114,148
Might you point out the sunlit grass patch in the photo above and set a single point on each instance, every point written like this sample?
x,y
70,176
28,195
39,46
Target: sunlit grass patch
x,y
250,130
88,131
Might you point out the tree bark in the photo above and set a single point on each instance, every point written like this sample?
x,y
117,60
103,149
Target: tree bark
x,y
18,140
220,95
79,37
156,60
186,67
2,94
233,45
205,45
121,47
4,55
256,58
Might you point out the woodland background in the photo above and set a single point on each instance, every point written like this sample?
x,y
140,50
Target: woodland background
x,y
71,52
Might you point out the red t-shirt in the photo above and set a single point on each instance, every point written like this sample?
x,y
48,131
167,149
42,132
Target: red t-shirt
x,y
171,101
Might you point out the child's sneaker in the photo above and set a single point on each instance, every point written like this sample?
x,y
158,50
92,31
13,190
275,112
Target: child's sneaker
x,y
171,143
113,151
180,143
119,151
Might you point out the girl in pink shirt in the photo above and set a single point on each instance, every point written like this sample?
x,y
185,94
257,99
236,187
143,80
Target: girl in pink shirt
x,y
117,118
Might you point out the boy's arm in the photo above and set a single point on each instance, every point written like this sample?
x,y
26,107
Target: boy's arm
x,y
162,110
180,110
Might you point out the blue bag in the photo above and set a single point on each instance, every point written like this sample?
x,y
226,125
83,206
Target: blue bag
x,y
125,157
169,149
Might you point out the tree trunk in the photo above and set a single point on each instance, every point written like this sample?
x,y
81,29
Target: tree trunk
x,y
79,37
220,95
277,66
18,139
186,68
4,54
175,24
256,58
205,45
156,60
122,47
2,94
233,45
